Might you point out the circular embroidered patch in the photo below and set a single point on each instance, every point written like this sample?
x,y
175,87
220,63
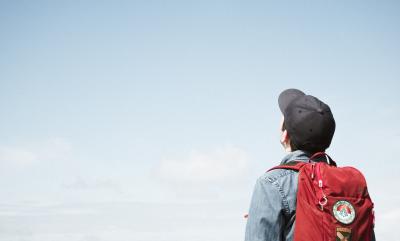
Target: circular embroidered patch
x,y
344,212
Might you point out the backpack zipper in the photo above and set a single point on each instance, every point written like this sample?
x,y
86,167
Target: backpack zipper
x,y
323,200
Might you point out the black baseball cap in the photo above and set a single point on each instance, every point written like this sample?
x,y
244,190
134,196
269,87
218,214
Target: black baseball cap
x,y
308,121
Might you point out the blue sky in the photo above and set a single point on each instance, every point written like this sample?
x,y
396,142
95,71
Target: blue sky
x,y
151,105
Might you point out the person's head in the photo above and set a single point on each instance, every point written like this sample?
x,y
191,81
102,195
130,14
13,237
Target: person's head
x,y
307,122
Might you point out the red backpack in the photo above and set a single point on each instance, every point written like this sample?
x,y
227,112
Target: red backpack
x,y
333,203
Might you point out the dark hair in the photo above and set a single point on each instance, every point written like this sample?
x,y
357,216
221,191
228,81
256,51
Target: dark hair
x,y
294,146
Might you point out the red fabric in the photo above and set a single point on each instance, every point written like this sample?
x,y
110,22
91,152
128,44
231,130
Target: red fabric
x,y
314,223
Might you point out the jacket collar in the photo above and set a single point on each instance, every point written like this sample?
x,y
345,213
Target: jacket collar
x,y
303,156
298,155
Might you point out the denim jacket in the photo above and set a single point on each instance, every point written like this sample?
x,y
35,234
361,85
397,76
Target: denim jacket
x,y
272,210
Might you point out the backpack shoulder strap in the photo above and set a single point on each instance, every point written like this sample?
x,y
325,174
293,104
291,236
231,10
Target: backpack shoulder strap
x,y
293,165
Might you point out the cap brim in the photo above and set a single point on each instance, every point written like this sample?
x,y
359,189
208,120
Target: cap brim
x,y
287,96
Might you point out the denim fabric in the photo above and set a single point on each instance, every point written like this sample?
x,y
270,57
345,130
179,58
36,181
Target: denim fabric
x,y
272,210
273,205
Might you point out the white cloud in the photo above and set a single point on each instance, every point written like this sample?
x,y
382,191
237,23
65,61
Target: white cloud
x,y
223,164
386,222
90,184
392,216
124,221
17,155
26,155
53,149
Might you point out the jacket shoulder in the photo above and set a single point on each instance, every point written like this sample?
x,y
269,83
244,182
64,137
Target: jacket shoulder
x,y
275,175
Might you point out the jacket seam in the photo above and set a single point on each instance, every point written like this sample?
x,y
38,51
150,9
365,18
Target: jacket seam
x,y
284,198
274,181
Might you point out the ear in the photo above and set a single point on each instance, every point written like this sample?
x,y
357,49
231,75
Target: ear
x,y
284,136
285,141
281,123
